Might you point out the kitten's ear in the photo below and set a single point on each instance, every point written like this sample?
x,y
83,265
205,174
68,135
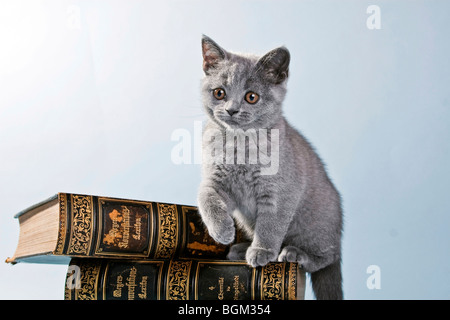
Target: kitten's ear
x,y
275,65
212,54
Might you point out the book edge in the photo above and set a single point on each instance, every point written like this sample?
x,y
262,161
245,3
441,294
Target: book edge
x,y
34,206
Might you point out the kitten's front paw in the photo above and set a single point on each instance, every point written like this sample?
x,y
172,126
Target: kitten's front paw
x,y
294,254
259,256
223,232
290,254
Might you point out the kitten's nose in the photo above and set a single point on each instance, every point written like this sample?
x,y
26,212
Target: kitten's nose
x,y
232,111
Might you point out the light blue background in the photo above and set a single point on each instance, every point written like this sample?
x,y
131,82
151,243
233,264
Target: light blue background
x,y
90,93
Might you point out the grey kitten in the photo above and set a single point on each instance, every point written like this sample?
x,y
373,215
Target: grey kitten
x,y
293,214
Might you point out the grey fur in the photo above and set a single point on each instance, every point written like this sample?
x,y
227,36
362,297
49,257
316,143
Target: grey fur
x,y
293,215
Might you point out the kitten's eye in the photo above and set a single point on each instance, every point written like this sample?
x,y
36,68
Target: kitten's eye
x,y
219,93
251,97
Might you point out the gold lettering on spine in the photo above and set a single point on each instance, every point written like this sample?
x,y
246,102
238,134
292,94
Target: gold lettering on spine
x,y
131,283
143,286
126,227
221,292
168,231
236,287
89,279
62,223
178,280
81,231
117,293
272,284
137,228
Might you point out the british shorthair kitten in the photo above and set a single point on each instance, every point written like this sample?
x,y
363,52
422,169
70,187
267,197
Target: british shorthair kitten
x,y
285,203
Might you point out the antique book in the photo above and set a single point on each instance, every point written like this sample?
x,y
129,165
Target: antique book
x,y
74,225
182,279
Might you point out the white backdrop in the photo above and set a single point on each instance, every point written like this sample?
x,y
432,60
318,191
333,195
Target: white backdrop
x,y
90,93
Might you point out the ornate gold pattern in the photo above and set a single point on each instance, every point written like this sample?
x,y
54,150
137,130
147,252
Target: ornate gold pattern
x,y
292,281
81,231
62,223
89,278
272,284
168,231
178,280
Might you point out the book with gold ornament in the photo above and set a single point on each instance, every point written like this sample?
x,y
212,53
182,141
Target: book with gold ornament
x,y
182,279
76,225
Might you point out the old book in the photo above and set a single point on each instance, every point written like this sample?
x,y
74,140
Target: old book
x,y
74,225
182,279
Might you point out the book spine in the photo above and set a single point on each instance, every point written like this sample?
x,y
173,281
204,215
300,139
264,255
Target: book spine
x,y
101,279
92,226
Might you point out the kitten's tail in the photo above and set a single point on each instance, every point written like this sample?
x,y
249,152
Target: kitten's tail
x,y
327,282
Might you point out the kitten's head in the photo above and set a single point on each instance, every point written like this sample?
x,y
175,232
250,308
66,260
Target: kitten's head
x,y
243,91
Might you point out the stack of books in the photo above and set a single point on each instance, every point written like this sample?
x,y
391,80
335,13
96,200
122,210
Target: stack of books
x,y
140,250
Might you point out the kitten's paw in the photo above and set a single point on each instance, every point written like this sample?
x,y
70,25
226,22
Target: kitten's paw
x,y
259,256
222,232
238,250
289,254
293,254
